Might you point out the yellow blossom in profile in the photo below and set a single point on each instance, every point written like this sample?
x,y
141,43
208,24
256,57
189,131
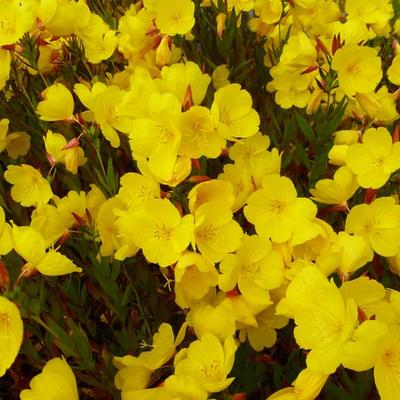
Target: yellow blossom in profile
x,y
233,112
220,76
307,386
276,211
359,69
58,104
134,372
379,223
347,254
73,157
5,65
31,246
3,133
29,187
11,333
55,382
6,241
208,362
375,159
337,190
394,71
114,240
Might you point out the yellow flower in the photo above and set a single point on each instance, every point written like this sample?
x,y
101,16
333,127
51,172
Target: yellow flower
x,y
194,276
55,382
134,372
347,254
342,139
291,86
11,333
29,187
375,159
31,246
208,362
220,76
376,345
72,157
204,318
16,18
158,137
307,386
212,190
233,112
6,241
379,223
173,16
268,11
238,175
215,232
3,133
337,190
324,320
394,71
277,212
368,294
58,104
180,78
359,69
136,189
249,149
160,231
65,17
112,235
199,135
47,220
18,144
101,45
264,334
376,14
255,268
5,65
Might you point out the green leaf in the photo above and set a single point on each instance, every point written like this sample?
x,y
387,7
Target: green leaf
x,y
305,127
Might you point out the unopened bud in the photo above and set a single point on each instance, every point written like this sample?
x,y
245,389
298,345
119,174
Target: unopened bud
x,y
198,179
4,275
221,19
315,101
369,103
71,144
163,52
